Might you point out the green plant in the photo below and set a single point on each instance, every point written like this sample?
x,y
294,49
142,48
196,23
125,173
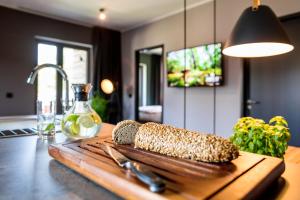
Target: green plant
x,y
256,136
99,104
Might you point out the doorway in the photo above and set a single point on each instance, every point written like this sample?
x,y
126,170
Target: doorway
x,y
271,84
149,84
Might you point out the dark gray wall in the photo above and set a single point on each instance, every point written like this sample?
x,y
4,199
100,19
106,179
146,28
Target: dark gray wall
x,y
18,54
199,101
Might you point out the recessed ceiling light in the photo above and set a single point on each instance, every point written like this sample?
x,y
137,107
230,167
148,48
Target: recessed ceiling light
x,y
102,15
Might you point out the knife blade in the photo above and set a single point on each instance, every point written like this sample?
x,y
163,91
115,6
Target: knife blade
x,y
154,182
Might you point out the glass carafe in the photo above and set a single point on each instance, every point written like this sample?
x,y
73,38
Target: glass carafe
x,y
81,121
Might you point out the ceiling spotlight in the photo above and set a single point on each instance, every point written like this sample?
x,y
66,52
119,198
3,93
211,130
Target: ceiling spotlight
x,y
102,15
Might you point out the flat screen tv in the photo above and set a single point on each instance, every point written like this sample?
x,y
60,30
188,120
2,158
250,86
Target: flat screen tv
x,y
203,66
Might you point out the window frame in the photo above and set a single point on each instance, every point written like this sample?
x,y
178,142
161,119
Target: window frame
x,y
60,44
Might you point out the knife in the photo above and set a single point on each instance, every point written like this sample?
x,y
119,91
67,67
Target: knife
x,y
154,182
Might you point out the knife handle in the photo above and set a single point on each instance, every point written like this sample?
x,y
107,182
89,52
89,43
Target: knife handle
x,y
155,183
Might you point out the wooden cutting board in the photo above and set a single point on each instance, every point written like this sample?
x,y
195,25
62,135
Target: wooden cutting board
x,y
243,178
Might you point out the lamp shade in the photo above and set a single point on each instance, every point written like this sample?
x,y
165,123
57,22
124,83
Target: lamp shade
x,y
258,33
107,86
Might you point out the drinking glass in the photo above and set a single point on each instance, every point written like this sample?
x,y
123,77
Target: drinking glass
x,y
46,111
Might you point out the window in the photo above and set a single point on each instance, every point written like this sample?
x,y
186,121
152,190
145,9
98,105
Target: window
x,y
75,64
47,77
74,60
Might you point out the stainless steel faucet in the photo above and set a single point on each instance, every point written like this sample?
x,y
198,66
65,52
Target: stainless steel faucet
x,y
63,74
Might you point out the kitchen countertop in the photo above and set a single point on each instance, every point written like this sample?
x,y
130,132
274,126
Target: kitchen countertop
x,y
28,172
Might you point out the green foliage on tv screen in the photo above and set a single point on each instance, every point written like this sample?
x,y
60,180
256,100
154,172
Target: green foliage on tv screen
x,y
198,66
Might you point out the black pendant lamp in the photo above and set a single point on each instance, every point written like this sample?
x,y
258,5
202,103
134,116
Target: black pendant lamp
x,y
258,33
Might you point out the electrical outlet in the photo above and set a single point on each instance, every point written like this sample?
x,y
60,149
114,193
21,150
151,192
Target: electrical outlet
x,y
9,95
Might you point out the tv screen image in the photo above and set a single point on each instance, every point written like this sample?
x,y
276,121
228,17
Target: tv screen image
x,y
203,66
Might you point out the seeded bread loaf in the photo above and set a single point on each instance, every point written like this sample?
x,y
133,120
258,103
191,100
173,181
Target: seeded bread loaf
x,y
186,144
124,132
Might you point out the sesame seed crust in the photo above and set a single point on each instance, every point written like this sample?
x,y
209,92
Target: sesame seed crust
x,y
185,144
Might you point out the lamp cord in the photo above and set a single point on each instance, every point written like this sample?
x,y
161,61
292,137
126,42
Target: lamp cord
x,y
184,87
214,85
256,4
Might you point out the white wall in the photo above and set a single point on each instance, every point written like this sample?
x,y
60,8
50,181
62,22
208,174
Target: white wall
x,y
169,32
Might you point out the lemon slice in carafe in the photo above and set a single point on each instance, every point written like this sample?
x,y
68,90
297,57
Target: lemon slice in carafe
x,y
86,121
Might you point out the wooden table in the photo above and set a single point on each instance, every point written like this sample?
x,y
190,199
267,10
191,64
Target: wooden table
x,y
291,176
287,187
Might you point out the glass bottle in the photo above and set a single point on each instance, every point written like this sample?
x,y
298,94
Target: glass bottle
x,y
81,121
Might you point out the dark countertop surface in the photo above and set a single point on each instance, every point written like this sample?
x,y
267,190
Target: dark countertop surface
x,y
28,172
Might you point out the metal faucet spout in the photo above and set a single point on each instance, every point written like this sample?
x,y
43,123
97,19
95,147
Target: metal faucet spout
x,y
32,76
30,79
